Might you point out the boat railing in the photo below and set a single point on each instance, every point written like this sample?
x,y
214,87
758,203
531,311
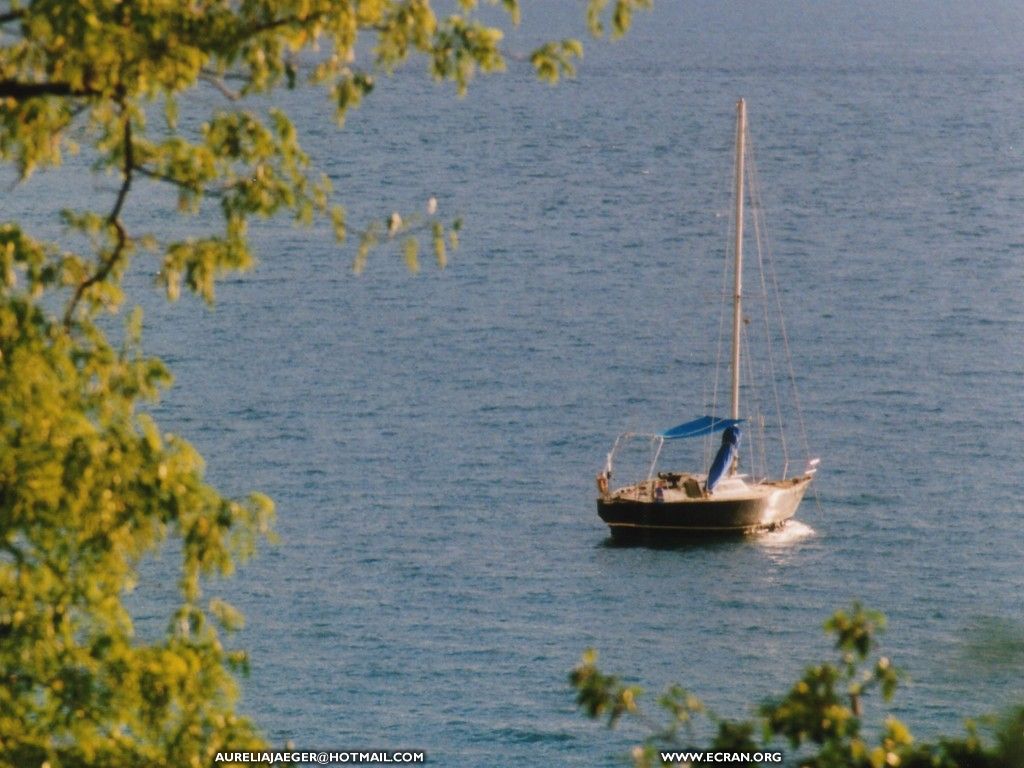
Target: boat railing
x,y
657,443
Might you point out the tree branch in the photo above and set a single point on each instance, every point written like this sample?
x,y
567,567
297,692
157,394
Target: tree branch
x,y
266,26
11,16
197,190
220,85
114,219
20,90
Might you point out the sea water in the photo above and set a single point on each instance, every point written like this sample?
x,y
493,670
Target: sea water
x,y
431,441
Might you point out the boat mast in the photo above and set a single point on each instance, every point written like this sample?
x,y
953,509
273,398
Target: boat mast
x,y
737,298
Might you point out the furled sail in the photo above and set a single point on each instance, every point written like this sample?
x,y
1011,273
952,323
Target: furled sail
x,y
725,456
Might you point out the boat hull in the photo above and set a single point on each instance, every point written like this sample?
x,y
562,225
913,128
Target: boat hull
x,y
631,519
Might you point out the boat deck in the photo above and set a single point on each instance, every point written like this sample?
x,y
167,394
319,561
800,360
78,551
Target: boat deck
x,y
686,487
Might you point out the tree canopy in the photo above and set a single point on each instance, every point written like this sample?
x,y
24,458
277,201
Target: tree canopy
x,y
89,484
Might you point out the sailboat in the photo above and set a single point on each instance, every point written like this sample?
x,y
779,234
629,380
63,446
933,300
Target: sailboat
x,y
722,500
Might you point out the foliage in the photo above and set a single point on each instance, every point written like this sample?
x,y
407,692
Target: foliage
x,y
89,485
820,719
101,71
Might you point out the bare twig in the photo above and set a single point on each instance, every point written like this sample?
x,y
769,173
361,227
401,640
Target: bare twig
x,y
196,190
20,90
220,85
113,219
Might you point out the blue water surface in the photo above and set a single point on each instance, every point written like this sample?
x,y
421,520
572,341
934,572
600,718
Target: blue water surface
x,y
431,441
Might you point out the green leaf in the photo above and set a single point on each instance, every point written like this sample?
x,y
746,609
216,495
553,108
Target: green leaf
x,y
410,252
439,247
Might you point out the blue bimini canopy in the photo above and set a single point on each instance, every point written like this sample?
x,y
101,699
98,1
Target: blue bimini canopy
x,y
705,425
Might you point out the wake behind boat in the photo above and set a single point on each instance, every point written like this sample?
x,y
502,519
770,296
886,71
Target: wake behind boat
x,y
722,500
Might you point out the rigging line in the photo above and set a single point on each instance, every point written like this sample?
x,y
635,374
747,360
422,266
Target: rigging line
x,y
789,366
708,447
757,373
766,367
758,458
712,405
754,374
757,207
762,231
785,342
765,372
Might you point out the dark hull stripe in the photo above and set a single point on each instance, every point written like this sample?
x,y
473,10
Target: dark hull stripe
x,y
628,517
